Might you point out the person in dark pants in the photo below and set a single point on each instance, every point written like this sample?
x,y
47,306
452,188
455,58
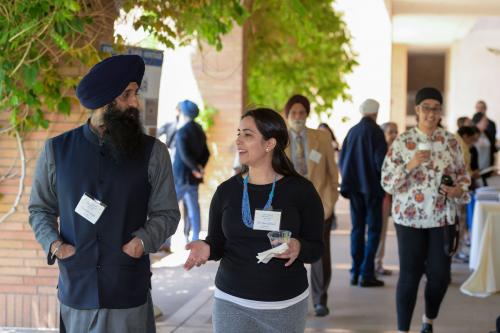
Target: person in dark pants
x,y
313,157
102,199
422,208
360,163
191,157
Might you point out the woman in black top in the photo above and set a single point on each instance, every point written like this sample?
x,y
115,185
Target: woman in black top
x,y
251,296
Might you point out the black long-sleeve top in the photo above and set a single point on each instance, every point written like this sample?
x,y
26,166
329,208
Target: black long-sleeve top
x,y
236,245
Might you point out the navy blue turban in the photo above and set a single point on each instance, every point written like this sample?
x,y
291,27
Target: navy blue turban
x,y
428,93
108,79
188,108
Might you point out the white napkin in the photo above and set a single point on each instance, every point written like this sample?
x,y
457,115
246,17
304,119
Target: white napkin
x,y
271,253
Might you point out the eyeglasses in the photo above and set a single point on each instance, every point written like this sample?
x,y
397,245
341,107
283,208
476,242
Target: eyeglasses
x,y
427,109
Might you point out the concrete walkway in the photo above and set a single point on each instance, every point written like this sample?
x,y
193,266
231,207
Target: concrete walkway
x,y
185,298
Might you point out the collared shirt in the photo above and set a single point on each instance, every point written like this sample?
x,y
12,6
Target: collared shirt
x,y
293,137
416,200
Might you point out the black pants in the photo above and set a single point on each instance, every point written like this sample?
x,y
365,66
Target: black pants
x,y
321,270
420,251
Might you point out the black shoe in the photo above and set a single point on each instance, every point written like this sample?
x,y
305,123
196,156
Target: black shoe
x,y
354,279
321,310
370,282
426,328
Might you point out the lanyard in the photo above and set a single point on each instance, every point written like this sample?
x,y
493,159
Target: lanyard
x,y
245,203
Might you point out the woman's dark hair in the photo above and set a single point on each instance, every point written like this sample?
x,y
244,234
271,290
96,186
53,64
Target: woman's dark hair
x,y
467,131
461,121
297,99
478,116
271,125
325,126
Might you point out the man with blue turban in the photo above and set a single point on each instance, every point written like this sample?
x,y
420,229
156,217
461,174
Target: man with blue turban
x,y
191,157
103,197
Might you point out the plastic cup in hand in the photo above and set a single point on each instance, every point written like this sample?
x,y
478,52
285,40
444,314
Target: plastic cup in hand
x,y
424,146
279,237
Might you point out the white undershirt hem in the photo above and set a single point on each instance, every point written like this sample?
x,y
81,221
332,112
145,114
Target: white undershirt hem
x,y
260,305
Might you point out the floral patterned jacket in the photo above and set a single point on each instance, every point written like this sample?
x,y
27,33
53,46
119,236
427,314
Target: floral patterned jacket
x,y
416,200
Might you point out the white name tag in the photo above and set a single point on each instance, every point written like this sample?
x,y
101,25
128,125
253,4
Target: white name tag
x,y
315,156
89,208
267,220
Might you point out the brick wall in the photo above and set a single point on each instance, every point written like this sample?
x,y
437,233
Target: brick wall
x,y
220,80
27,284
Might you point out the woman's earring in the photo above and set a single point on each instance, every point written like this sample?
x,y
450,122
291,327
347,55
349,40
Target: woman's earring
x,y
267,149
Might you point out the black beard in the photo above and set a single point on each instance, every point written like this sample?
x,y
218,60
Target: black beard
x,y
124,133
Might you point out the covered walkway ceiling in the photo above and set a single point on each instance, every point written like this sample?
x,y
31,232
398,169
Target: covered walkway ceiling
x,y
438,23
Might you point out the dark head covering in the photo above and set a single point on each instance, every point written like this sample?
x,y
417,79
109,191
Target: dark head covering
x,y
428,93
108,79
478,116
188,109
297,99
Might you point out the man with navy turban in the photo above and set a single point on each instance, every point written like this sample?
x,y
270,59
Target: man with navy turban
x,y
103,197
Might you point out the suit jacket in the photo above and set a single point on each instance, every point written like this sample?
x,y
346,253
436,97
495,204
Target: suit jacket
x,y
324,173
361,158
191,150
492,130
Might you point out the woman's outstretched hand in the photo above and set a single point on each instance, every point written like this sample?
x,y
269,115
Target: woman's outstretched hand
x,y
200,251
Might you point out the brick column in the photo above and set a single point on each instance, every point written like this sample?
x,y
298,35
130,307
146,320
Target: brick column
x,y
220,78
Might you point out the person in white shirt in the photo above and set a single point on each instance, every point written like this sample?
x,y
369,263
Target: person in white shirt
x,y
423,210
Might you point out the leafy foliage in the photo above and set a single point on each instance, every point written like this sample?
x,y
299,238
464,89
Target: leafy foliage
x,y
36,37
297,46
185,20
39,39
294,46
206,117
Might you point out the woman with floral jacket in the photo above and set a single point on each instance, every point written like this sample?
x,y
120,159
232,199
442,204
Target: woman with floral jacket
x,y
422,207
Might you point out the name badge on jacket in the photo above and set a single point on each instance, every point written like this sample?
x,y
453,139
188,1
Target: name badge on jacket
x,y
267,220
315,156
89,208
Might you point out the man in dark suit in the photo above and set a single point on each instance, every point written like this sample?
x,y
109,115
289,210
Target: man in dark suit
x,y
360,161
191,157
492,128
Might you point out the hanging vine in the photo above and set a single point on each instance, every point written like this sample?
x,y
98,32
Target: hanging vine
x,y
293,46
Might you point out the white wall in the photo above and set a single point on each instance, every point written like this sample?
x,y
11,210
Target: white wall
x,y
370,26
474,73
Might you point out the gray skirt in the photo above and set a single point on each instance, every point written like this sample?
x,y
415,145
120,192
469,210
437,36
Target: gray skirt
x,y
229,317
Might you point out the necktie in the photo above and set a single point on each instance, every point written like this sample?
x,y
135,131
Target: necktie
x,y
300,156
